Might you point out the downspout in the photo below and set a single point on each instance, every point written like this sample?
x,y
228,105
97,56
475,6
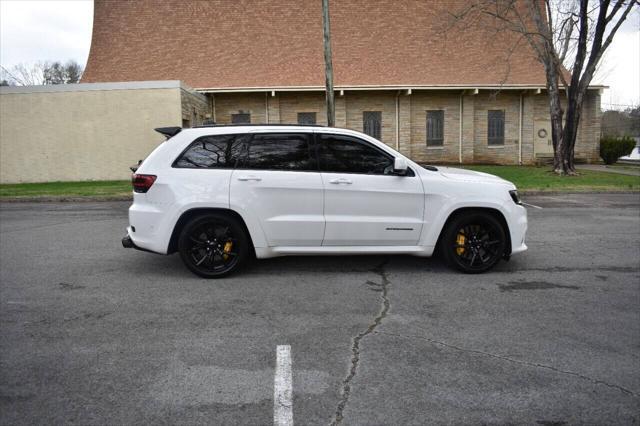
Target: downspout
x,y
398,121
266,106
213,107
460,136
520,131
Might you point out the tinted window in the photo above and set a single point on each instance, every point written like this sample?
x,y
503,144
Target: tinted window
x,y
219,151
372,123
495,127
285,151
306,118
435,128
345,154
242,118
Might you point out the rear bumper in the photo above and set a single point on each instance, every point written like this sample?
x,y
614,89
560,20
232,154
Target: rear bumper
x,y
128,242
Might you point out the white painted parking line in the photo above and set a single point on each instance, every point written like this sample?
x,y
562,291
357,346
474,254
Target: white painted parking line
x,y
282,388
531,205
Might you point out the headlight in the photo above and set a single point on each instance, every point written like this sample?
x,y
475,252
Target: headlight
x,y
515,197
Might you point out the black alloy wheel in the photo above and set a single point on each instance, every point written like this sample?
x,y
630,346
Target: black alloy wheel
x,y
474,242
213,245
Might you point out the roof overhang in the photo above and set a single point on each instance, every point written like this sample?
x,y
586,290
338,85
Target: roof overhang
x,y
407,88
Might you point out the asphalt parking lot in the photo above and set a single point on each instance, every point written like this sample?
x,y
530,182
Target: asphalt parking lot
x,y
92,333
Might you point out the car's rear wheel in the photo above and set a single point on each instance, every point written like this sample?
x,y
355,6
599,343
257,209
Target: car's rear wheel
x,y
213,245
473,242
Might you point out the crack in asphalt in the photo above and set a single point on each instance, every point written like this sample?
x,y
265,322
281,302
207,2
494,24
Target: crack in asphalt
x,y
383,288
515,361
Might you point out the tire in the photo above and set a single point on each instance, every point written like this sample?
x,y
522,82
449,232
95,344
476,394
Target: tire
x,y
213,245
473,242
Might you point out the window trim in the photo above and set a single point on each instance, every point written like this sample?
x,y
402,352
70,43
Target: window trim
x,y
430,143
318,135
174,164
504,130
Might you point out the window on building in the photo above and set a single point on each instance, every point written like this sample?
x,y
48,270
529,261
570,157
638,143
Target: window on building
x,y
495,127
344,154
241,118
284,151
212,152
306,118
372,123
435,128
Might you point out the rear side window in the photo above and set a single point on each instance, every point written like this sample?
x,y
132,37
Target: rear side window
x,y
280,151
344,154
212,152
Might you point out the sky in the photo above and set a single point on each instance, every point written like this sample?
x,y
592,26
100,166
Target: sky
x,y
47,30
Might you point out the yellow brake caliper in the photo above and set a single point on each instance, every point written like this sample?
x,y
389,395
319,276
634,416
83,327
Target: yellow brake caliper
x,y
460,241
227,249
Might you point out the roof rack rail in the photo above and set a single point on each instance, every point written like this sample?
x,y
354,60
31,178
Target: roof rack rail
x,y
257,124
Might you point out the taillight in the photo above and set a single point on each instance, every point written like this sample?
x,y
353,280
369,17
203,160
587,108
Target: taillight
x,y
142,183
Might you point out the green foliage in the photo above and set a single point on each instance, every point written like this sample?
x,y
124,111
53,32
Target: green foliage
x,y
528,178
612,148
93,189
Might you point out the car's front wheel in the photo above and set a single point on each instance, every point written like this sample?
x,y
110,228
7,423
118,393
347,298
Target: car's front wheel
x,y
473,242
213,245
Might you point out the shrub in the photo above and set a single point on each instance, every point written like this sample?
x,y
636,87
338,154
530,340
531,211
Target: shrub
x,y
612,148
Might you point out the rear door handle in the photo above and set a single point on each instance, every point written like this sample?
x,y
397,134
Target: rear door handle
x,y
247,178
341,181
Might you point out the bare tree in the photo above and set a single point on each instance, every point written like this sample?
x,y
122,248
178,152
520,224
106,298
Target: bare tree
x,y
568,38
43,73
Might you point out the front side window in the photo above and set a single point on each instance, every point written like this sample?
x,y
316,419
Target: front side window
x,y
372,123
212,152
495,127
345,154
435,128
284,151
306,118
241,118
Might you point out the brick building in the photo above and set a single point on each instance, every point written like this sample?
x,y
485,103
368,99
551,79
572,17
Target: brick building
x,y
401,73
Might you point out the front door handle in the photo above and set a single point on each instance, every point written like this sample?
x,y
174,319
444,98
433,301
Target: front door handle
x,y
247,178
341,181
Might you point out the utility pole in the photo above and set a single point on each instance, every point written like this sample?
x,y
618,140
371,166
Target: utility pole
x,y
328,66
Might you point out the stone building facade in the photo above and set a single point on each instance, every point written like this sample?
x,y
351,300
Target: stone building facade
x,y
437,95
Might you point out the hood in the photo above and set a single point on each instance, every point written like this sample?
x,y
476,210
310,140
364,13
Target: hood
x,y
464,175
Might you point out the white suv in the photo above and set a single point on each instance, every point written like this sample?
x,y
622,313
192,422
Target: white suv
x,y
220,194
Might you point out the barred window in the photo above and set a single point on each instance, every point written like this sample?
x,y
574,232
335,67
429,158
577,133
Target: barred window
x,y
306,118
241,118
372,123
435,128
495,127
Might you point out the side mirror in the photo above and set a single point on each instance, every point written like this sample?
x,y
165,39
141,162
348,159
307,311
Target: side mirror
x,y
400,166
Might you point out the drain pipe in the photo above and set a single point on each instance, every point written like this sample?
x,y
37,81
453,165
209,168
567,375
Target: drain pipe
x,y
520,131
398,121
460,120
266,106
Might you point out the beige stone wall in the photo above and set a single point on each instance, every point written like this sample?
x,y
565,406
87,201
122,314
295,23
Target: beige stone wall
x,y
496,154
195,108
291,103
359,101
81,135
227,104
421,102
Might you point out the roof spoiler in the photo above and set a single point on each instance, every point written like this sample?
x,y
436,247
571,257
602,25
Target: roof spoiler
x,y
169,132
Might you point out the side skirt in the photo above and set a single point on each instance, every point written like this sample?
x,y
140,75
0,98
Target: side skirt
x,y
266,252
